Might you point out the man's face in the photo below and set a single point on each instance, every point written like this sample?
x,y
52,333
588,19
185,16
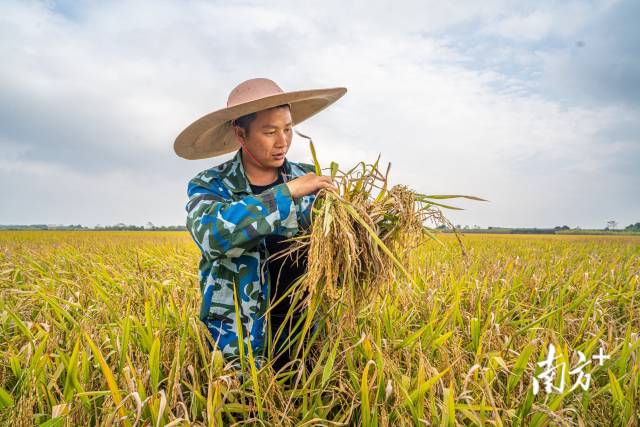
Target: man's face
x,y
269,137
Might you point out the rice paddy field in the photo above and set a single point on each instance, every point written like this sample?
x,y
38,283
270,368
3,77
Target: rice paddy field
x,y
101,328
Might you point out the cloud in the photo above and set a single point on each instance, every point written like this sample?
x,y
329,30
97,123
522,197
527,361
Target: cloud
x,y
491,99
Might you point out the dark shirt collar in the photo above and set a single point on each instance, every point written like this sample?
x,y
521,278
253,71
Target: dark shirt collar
x,y
235,178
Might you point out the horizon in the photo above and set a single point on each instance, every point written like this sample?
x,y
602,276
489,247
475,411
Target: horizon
x,y
618,226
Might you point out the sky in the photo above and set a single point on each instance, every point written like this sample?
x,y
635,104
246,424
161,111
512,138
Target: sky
x,y
534,106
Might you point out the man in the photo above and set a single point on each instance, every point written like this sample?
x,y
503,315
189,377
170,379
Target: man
x,y
240,211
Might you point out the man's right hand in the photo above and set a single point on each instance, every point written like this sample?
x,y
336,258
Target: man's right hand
x,y
309,184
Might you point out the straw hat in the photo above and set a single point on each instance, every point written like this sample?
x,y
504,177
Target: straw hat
x,y
212,135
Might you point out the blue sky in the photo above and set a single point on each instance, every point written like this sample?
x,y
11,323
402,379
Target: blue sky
x,y
532,105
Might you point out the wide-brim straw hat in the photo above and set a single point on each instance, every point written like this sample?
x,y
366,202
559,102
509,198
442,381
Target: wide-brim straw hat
x,y
212,135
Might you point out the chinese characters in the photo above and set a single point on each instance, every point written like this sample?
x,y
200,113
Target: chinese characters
x,y
550,369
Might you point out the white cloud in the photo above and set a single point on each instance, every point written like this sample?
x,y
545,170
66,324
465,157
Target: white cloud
x,y
536,23
99,99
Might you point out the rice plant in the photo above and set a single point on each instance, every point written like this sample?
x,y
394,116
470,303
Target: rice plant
x,y
360,238
101,328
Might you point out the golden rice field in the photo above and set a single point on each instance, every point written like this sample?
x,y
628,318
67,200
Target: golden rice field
x,y
101,328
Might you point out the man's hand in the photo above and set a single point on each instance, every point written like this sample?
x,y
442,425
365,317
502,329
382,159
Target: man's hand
x,y
309,184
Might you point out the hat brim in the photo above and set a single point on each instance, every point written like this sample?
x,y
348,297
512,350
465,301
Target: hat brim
x,y
212,135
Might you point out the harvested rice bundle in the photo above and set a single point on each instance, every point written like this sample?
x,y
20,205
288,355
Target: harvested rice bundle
x,y
359,238
353,235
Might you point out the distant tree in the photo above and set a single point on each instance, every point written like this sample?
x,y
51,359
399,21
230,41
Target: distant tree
x,y
611,225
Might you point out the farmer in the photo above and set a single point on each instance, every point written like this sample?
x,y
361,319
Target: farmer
x,y
240,211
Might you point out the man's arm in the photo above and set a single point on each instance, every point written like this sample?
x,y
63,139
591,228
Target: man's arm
x,y
305,202
224,228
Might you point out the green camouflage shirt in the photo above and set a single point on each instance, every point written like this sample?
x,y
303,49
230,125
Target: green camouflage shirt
x,y
228,223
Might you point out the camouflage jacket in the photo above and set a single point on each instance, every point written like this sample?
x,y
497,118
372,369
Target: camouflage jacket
x,y
228,223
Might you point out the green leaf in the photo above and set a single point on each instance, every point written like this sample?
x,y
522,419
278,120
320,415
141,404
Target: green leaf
x,y
315,158
423,388
6,401
364,395
72,372
453,196
519,367
111,381
328,366
616,390
154,364
53,422
334,170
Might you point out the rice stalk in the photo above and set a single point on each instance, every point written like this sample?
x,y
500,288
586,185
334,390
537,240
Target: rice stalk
x,y
360,239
